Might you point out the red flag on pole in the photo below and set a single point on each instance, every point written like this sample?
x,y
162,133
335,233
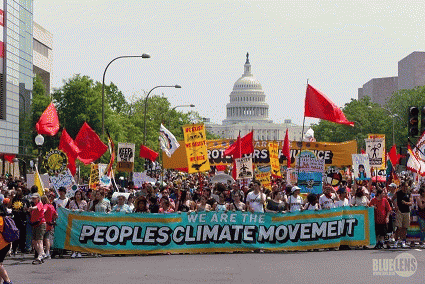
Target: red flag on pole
x,y
48,124
319,106
92,148
147,153
242,146
71,150
286,150
9,157
394,157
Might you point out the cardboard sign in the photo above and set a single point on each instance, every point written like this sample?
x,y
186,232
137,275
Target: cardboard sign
x,y
265,179
375,148
125,157
196,148
244,168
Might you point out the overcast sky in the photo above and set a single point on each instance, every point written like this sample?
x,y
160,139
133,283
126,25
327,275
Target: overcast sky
x,y
201,45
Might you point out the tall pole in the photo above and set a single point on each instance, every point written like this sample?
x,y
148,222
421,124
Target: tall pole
x,y
191,105
144,55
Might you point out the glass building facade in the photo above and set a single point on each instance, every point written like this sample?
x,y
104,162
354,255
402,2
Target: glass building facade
x,y
17,76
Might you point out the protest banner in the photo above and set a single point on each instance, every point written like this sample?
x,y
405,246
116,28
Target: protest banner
x,y
310,182
125,157
361,167
274,159
196,148
243,168
66,180
264,178
140,178
135,233
94,176
334,154
375,149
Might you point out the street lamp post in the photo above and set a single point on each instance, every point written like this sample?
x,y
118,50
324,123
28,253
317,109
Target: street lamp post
x,y
191,105
146,107
392,116
144,55
39,141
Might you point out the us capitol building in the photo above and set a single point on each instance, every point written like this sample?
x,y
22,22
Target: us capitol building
x,y
248,111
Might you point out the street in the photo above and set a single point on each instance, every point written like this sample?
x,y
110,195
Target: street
x,y
354,266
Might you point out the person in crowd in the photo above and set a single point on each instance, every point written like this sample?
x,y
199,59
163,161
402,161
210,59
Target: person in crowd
x,y
4,247
165,205
295,201
203,205
236,189
130,201
38,223
360,198
343,200
165,192
185,204
78,203
50,215
327,199
237,204
312,202
221,205
421,215
382,216
141,205
403,200
209,196
19,207
121,206
62,200
100,203
276,204
153,204
256,199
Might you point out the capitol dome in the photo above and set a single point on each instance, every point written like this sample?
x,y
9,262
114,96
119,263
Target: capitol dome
x,y
247,100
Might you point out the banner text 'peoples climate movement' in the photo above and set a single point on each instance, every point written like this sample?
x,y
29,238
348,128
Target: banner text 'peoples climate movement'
x,y
212,231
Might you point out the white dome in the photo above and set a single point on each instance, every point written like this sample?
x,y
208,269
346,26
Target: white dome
x,y
249,83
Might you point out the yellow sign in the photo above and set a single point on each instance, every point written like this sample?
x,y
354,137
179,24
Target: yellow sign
x,y
274,159
94,176
196,148
265,179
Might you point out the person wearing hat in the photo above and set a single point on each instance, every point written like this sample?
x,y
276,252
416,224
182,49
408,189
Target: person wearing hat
x,y
295,201
38,223
327,199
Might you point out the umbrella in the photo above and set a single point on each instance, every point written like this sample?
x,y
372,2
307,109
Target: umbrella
x,y
223,178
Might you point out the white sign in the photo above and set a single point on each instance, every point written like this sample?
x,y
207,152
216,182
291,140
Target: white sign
x,y
66,180
44,178
375,150
361,166
244,168
104,180
309,164
125,152
140,178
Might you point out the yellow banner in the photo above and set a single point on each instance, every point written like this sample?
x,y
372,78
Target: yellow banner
x,y
196,148
94,176
264,179
334,154
274,159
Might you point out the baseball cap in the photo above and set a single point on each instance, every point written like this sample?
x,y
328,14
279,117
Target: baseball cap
x,y
295,188
35,195
392,185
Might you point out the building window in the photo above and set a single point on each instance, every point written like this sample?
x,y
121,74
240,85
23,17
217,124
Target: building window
x,y
41,48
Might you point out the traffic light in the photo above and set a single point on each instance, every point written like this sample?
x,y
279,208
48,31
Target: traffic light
x,y
422,120
413,121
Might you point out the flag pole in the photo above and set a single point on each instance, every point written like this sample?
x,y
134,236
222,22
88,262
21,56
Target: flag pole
x,y
302,138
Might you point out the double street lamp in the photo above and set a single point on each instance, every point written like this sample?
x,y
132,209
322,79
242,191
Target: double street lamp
x,y
191,105
144,55
393,115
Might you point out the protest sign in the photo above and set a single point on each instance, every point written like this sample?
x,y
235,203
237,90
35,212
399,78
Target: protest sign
x,y
196,148
66,180
310,182
135,233
94,176
310,164
55,162
375,149
334,154
140,178
104,180
243,168
274,159
125,157
361,167
31,181
265,179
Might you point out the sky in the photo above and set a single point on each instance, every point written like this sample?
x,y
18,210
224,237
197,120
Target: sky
x,y
201,45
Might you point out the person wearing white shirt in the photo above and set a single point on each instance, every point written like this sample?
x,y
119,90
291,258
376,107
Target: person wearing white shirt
x,y
343,201
121,206
62,200
256,199
326,200
295,201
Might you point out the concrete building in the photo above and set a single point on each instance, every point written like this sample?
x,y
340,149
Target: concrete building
x,y
43,55
411,74
248,110
16,69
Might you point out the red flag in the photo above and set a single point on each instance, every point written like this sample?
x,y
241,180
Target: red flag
x,y
242,146
48,124
71,150
394,157
92,148
9,157
286,150
147,153
319,106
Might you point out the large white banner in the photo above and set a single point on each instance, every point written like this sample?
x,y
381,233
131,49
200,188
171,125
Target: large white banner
x,y
244,168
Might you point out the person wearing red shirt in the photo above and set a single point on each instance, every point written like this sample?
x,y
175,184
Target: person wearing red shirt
x,y
382,216
50,215
38,223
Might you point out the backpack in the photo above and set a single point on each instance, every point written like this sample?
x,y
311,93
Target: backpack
x,y
10,231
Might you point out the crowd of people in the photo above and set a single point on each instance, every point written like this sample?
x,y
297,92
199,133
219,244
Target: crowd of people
x,y
35,215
